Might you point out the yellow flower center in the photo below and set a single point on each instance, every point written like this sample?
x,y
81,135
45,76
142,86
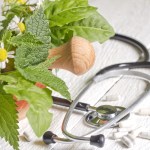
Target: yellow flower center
x,y
21,26
3,54
21,1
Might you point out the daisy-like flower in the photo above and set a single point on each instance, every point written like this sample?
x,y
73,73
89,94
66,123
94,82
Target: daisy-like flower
x,y
17,24
4,55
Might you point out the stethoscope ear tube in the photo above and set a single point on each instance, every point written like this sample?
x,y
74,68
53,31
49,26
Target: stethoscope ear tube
x,y
97,140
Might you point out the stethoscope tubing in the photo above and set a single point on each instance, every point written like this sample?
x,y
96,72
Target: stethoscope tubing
x,y
112,121
103,74
144,57
143,51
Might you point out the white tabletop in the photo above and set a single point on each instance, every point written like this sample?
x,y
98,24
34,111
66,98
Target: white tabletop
x,y
132,18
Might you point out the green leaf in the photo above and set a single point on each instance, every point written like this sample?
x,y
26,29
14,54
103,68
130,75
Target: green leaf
x,y
26,38
8,119
6,37
65,11
40,101
8,79
40,120
30,50
40,73
38,26
71,15
57,6
93,28
27,55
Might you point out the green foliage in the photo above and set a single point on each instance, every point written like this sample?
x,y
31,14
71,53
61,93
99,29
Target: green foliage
x,y
26,39
8,119
51,7
65,11
87,28
69,18
38,26
51,25
8,79
40,73
71,15
27,55
5,23
22,11
40,101
6,37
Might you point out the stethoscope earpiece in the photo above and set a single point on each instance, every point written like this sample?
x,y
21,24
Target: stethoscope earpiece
x,y
97,140
48,137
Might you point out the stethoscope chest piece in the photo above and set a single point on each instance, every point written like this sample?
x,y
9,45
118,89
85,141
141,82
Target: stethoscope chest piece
x,y
103,114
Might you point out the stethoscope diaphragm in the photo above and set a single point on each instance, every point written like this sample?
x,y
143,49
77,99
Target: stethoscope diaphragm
x,y
103,114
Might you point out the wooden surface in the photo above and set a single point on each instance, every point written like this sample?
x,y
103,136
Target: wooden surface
x,y
130,17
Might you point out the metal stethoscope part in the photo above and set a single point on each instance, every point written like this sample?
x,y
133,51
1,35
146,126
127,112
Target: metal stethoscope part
x,y
114,116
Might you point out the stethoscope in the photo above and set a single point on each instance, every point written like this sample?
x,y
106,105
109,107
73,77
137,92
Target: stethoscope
x,y
104,116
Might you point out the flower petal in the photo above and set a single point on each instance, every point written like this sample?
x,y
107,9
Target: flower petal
x,y
2,45
11,56
3,66
11,52
16,19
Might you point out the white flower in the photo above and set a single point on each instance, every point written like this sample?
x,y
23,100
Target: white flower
x,y
4,55
17,24
40,2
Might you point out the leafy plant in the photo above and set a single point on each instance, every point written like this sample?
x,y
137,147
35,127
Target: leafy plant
x,y
39,29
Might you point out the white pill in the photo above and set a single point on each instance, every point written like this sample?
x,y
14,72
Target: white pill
x,y
124,129
118,135
128,141
111,98
145,135
126,124
27,136
136,131
144,112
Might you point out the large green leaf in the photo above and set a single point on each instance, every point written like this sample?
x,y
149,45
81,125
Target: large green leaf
x,y
58,6
40,73
93,28
8,119
39,100
38,26
65,11
71,15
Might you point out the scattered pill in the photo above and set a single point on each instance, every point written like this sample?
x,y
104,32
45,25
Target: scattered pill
x,y
118,135
144,111
136,131
124,129
128,141
145,135
126,124
27,136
